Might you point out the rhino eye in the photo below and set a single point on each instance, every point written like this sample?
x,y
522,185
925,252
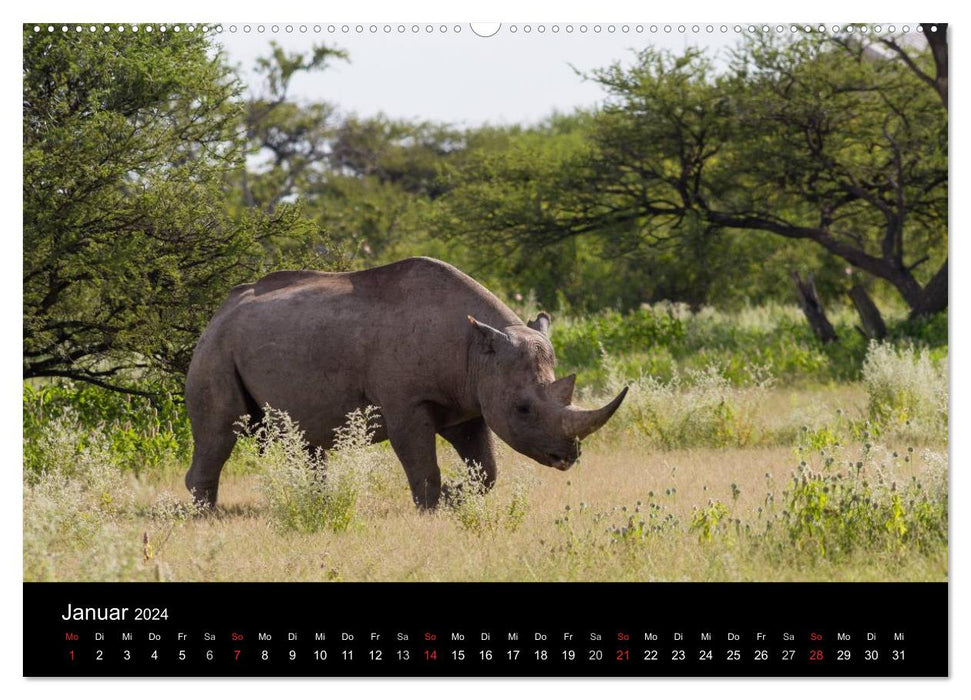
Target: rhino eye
x,y
522,408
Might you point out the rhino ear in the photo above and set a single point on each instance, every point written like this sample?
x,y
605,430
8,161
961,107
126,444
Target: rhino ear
x,y
562,389
541,323
487,335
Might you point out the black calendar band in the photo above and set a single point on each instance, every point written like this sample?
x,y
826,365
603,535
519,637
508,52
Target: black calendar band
x,y
486,629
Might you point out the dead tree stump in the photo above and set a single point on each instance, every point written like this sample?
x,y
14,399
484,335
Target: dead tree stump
x,y
871,322
812,307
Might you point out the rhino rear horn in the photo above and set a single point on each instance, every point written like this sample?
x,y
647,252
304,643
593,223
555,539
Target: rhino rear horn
x,y
562,389
579,423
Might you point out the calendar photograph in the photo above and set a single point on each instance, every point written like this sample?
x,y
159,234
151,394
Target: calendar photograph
x,y
472,303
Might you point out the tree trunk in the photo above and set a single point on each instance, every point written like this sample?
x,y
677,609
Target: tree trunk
x,y
934,298
813,307
872,325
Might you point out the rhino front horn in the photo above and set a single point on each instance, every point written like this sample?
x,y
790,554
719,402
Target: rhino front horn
x,y
579,423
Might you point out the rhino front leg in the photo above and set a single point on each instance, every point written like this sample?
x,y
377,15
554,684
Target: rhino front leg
x,y
473,441
412,435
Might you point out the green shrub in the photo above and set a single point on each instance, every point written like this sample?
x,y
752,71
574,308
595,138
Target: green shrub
x,y
307,490
71,498
580,342
930,331
700,408
664,340
841,507
472,506
907,392
143,434
856,502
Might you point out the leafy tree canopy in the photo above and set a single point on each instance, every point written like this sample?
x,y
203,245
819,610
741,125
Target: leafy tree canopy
x,y
833,150
131,143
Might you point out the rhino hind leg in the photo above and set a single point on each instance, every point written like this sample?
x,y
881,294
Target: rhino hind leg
x,y
214,409
202,479
473,441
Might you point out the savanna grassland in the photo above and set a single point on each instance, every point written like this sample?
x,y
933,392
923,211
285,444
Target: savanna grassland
x,y
788,464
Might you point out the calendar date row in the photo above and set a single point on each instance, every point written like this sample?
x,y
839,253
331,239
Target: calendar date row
x,y
486,655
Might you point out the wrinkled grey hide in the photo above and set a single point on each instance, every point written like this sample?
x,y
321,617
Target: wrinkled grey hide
x,y
435,350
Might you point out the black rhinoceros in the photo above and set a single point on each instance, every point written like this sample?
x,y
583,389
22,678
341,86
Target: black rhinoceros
x,y
427,344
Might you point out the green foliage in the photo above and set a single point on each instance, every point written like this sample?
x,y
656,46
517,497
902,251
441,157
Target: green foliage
x,y
821,438
151,186
129,143
279,67
665,340
581,342
701,380
930,331
706,521
79,494
405,154
707,185
830,512
371,218
73,494
287,143
140,434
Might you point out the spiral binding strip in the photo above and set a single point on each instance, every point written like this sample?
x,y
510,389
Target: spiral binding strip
x,y
419,29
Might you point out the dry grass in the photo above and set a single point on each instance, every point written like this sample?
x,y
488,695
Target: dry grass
x,y
563,535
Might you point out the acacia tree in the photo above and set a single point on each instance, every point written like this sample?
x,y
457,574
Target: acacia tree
x,y
130,143
844,148
936,76
810,140
807,139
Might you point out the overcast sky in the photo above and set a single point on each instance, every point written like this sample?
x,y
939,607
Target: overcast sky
x,y
459,77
